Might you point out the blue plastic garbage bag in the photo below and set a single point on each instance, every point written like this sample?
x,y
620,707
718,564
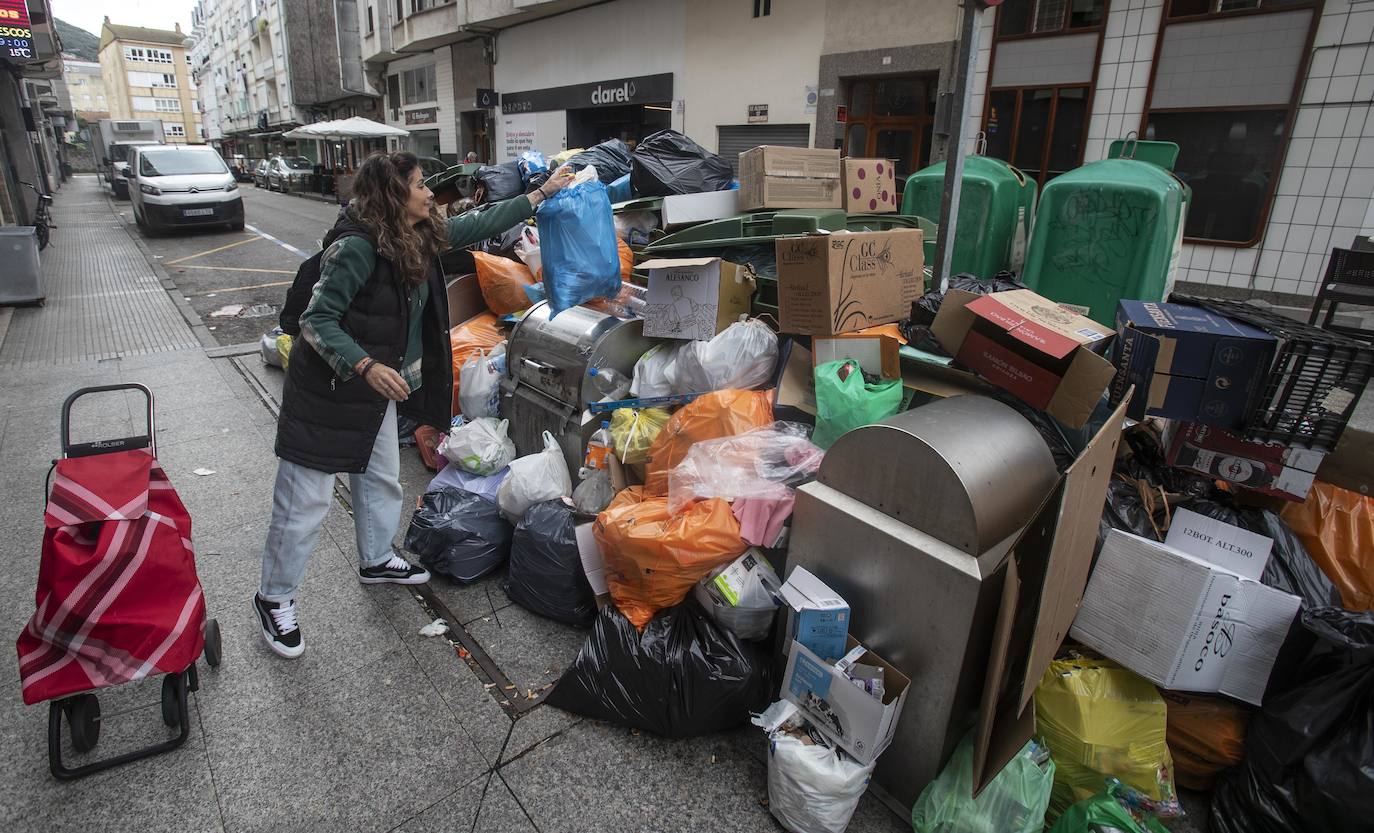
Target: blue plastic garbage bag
x,y
620,190
577,245
531,162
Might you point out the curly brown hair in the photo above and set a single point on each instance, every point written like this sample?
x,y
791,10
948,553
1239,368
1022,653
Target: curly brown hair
x,y
380,192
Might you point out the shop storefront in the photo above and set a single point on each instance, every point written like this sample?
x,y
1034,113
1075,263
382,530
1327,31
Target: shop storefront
x,y
580,115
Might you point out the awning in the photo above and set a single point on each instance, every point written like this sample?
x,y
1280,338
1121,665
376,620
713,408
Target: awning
x,y
356,127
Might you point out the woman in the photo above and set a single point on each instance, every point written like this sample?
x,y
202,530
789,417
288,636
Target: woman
x,y
374,341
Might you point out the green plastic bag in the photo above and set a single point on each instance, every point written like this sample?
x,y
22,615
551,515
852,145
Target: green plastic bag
x,y
1102,813
1014,802
843,404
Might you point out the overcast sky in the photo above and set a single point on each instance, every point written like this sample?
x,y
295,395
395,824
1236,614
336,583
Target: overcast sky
x,y
155,14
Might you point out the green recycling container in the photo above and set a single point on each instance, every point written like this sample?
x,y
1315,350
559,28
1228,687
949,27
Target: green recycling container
x,y
995,209
1108,231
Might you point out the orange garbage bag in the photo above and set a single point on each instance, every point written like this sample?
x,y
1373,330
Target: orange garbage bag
x,y
1205,735
1337,527
627,259
427,439
721,413
652,558
479,332
503,282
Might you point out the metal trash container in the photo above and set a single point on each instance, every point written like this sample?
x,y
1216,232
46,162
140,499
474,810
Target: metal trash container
x,y
1109,230
547,387
995,210
21,281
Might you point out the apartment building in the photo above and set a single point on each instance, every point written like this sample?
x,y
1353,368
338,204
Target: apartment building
x,y
147,75
86,85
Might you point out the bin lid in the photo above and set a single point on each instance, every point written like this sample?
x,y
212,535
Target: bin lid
x,y
1163,154
968,470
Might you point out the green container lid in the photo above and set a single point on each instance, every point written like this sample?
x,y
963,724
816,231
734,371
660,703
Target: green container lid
x,y
995,209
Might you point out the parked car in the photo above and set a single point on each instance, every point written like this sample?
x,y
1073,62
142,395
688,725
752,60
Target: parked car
x,y
260,173
182,185
430,166
289,173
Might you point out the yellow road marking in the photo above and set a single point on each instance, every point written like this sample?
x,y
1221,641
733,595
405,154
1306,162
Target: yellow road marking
x,y
241,288
240,269
249,239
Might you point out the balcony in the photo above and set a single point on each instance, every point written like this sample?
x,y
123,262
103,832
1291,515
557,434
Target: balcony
x,y
502,14
429,24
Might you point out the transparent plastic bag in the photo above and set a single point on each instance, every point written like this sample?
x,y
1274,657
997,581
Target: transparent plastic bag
x,y
577,244
743,355
763,463
481,446
721,413
633,431
527,249
656,371
742,596
594,493
535,478
1014,802
479,390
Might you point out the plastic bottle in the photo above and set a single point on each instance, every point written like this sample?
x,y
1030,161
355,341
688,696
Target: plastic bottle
x,y
599,448
610,383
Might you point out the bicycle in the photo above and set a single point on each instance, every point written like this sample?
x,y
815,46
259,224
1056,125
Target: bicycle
x,y
42,216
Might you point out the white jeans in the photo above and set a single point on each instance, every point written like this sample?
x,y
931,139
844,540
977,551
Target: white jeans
x,y
301,500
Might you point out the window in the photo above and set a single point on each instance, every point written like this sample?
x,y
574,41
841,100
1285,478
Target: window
x,y
1038,17
763,8
174,129
1039,129
418,84
417,6
152,79
148,104
179,162
400,12
147,54
1192,8
370,25
891,118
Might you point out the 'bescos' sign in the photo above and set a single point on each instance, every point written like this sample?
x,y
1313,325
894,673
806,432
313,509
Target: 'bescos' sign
x,y
16,34
646,89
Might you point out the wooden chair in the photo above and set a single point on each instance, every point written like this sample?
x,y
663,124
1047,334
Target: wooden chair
x,y
1349,280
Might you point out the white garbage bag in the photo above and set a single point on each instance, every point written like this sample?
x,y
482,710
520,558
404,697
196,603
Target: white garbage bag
x,y
812,787
656,371
533,479
479,384
741,356
527,249
481,446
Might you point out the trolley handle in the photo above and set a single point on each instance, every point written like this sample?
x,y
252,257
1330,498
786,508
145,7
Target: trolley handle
x,y
148,440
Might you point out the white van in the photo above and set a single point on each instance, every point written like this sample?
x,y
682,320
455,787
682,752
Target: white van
x,y
180,185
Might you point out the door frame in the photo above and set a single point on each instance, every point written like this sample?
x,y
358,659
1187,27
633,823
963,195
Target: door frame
x,y
872,123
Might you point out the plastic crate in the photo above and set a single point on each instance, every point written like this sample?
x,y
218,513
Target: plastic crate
x,y
1314,384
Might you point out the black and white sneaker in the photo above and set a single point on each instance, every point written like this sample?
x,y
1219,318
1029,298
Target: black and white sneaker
x,y
279,626
395,570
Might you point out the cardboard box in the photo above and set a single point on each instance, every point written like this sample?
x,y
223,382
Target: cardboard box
x,y
695,298
1229,547
689,209
841,282
1189,363
1351,465
784,177
593,565
878,355
854,720
1268,468
1030,346
817,616
1181,622
870,186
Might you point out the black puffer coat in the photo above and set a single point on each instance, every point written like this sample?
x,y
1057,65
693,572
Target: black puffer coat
x,y
329,424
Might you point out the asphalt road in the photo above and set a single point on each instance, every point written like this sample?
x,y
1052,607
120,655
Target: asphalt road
x,y
218,270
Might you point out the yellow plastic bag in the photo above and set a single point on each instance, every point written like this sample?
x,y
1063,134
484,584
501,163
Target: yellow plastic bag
x,y
1100,720
1337,527
284,349
633,431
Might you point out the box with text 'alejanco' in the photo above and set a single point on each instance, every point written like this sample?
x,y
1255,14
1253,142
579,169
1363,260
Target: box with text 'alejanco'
x,y
845,281
1181,622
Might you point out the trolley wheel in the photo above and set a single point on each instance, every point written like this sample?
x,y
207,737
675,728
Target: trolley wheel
x,y
171,713
83,716
192,678
214,643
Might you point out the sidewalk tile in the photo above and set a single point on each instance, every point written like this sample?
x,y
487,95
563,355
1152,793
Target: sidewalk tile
x,y
485,806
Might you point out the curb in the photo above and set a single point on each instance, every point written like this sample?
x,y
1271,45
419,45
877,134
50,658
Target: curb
x,y
193,319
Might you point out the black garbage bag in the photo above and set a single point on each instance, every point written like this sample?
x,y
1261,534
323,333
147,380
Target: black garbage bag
x,y
459,534
500,181
546,575
683,676
611,158
924,308
669,163
1291,568
1309,752
502,245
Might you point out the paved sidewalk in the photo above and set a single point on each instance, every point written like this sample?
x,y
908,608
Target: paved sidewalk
x,y
375,727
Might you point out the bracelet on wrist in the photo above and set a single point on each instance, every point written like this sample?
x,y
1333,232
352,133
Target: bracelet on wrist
x,y
367,365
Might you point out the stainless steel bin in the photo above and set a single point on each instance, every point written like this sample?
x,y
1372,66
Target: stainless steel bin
x,y
21,281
